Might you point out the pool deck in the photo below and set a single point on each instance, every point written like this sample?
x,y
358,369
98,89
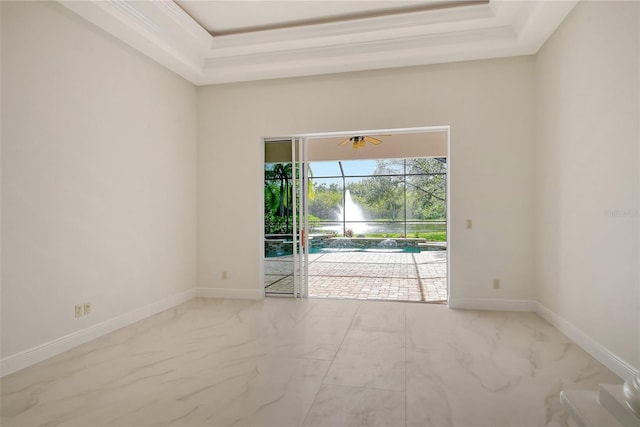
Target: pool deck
x,y
400,276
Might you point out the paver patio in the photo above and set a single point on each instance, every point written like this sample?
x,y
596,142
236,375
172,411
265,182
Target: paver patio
x,y
398,276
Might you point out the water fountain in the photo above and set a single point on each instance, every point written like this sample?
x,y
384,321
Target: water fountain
x,y
352,214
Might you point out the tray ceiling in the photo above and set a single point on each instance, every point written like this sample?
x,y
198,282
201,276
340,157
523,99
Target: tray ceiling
x,y
210,42
234,17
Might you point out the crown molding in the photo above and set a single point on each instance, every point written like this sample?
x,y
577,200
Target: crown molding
x,y
164,32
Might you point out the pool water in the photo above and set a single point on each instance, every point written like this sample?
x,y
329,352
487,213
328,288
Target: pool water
x,y
358,249
319,244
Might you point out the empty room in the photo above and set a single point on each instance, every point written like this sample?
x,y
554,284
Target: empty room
x,y
147,238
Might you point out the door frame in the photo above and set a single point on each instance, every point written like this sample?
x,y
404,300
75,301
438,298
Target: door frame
x,y
347,134
300,203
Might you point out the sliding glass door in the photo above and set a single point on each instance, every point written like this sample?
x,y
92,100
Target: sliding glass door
x,y
286,184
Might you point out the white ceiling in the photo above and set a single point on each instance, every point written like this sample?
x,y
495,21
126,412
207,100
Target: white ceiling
x,y
216,41
431,143
233,17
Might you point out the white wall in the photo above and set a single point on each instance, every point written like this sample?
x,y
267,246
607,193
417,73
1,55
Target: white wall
x,y
489,105
587,174
98,176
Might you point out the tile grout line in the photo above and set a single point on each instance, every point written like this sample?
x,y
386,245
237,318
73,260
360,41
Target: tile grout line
x,y
324,378
405,365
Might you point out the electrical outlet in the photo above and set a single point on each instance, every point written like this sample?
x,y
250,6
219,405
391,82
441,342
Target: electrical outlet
x,y
87,308
224,275
468,224
78,310
496,283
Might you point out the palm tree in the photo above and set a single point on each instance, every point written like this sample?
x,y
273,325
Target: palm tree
x,y
279,198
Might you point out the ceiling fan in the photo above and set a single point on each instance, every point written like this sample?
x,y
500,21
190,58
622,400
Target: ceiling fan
x,y
360,141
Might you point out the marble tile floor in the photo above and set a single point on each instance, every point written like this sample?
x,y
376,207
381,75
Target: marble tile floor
x,y
363,275
283,362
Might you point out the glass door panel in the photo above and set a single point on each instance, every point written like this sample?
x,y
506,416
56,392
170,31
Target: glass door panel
x,y
285,201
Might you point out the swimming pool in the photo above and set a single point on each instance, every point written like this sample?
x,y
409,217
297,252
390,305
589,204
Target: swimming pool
x,y
363,244
329,244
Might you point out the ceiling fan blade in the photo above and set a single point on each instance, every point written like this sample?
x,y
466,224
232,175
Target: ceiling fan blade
x,y
345,141
372,140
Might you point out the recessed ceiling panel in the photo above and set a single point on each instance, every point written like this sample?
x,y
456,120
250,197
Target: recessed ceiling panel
x,y
233,17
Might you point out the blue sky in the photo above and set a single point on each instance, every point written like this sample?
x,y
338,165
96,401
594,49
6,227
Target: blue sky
x,y
351,167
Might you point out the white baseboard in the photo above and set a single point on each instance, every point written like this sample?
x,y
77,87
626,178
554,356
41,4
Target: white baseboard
x,y
612,361
492,304
603,355
256,294
49,349
44,351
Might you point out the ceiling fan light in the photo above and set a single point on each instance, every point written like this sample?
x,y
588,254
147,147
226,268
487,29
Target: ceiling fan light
x,y
360,141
